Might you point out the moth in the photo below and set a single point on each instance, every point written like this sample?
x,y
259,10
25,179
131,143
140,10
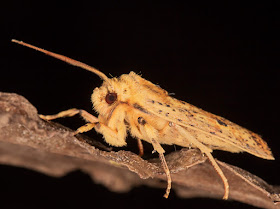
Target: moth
x,y
132,104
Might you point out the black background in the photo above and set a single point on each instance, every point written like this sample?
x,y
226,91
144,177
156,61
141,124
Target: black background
x,y
221,57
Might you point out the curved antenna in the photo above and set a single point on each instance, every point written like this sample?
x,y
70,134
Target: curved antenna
x,y
65,59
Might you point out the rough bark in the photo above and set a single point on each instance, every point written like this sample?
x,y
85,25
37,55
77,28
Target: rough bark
x,y
29,142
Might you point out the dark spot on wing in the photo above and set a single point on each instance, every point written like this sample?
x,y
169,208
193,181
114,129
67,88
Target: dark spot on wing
x,y
151,101
138,107
186,110
159,103
155,90
179,120
211,132
221,123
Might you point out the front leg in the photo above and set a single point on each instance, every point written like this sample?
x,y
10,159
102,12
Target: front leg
x,y
72,112
113,130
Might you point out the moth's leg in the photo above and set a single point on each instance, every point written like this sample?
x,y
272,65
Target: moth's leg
x,y
151,133
62,114
88,117
141,148
85,128
207,151
158,148
113,128
221,174
70,113
114,132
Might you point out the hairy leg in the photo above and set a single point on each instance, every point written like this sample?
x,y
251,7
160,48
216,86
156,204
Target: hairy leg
x,y
150,133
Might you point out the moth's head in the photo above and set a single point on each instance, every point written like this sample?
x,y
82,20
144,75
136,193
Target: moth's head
x,y
111,93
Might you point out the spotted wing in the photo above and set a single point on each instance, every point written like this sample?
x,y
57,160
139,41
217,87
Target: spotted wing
x,y
187,115
156,100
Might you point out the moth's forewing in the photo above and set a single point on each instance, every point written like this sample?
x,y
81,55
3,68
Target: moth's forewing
x,y
224,134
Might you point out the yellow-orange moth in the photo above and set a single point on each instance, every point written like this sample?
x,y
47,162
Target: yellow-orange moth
x,y
132,104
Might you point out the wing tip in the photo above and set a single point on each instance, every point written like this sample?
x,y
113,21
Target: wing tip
x,y
265,155
270,157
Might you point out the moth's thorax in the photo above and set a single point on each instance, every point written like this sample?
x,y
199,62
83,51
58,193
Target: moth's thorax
x,y
131,89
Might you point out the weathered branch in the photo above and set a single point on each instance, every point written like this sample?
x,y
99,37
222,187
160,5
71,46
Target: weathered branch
x,y
27,141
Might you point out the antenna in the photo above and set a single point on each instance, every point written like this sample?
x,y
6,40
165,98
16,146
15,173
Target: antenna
x,y
65,59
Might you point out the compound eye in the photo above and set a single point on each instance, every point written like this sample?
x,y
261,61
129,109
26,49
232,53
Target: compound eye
x,y
111,98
